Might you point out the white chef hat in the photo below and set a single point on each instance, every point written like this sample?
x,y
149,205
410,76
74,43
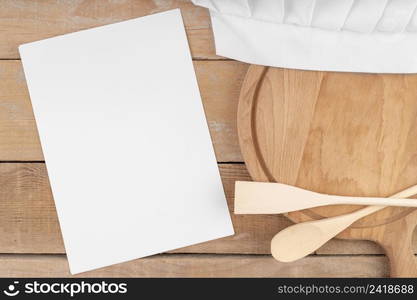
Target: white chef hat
x,y
377,36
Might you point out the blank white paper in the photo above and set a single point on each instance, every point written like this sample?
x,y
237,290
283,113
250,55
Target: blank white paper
x,y
125,139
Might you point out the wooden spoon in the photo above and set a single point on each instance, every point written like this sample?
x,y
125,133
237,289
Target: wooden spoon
x,y
299,240
276,198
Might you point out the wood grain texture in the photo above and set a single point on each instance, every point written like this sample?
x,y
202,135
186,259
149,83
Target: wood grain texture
x,y
19,141
219,83
23,21
337,133
28,220
176,265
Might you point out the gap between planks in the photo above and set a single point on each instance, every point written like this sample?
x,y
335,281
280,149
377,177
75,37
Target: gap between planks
x,y
42,162
194,59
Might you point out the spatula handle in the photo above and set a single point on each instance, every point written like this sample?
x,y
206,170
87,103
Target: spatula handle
x,y
274,198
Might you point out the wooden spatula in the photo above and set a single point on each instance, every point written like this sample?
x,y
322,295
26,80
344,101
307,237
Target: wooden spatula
x,y
276,198
299,240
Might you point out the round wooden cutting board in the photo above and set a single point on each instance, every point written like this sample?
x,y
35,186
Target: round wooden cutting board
x,y
337,133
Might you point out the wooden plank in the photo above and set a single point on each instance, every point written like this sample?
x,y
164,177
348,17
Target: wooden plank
x,y
219,83
28,221
190,265
23,21
18,134
346,247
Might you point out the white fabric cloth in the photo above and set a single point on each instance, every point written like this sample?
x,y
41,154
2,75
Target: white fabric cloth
x,y
377,36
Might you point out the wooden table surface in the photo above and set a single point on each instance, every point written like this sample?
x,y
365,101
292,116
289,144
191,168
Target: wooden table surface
x,y
30,238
